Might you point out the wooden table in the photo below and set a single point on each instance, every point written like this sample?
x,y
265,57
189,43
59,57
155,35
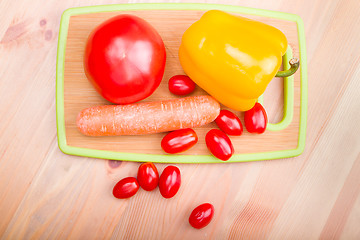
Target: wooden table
x,y
47,194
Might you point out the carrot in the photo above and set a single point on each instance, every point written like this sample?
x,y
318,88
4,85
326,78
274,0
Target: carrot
x,y
148,117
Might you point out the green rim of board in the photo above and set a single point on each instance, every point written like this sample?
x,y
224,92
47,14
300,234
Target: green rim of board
x,y
140,157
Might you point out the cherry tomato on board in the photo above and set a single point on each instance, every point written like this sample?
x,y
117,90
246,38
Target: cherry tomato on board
x,y
256,119
126,188
148,176
170,181
181,85
179,140
125,59
229,123
201,216
219,144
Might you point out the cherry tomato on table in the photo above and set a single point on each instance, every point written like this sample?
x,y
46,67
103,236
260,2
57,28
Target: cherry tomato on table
x,y
201,216
125,59
181,85
170,181
179,140
148,176
256,119
229,123
126,188
219,144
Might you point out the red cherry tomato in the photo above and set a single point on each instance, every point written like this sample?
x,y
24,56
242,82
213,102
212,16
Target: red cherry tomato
x,y
125,59
126,188
181,85
256,119
170,181
179,140
201,216
219,144
229,123
148,176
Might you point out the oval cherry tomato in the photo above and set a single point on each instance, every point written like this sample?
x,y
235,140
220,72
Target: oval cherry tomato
x,y
126,188
256,119
170,181
201,216
229,123
179,140
148,176
219,144
181,85
125,59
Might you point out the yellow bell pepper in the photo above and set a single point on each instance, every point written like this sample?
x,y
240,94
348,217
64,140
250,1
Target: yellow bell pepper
x,y
232,58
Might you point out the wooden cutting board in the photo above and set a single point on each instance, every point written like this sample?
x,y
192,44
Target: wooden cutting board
x,y
74,92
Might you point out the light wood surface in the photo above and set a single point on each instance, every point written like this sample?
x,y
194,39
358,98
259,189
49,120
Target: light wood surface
x,y
45,194
80,94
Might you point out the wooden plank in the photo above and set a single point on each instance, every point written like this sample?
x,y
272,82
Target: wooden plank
x,y
328,184
47,194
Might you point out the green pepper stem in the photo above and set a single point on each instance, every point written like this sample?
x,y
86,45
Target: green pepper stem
x,y
294,66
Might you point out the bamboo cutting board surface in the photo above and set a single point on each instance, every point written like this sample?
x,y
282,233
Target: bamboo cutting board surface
x,y
45,194
171,24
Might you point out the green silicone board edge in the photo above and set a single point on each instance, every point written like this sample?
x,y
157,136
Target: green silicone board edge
x,y
288,97
94,153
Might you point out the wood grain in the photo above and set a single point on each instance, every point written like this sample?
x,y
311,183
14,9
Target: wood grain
x,y
171,24
45,194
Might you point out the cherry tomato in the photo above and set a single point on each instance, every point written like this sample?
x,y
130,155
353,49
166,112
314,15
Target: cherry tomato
x,y
181,85
256,119
125,59
219,144
170,181
126,188
179,140
229,123
148,176
201,216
